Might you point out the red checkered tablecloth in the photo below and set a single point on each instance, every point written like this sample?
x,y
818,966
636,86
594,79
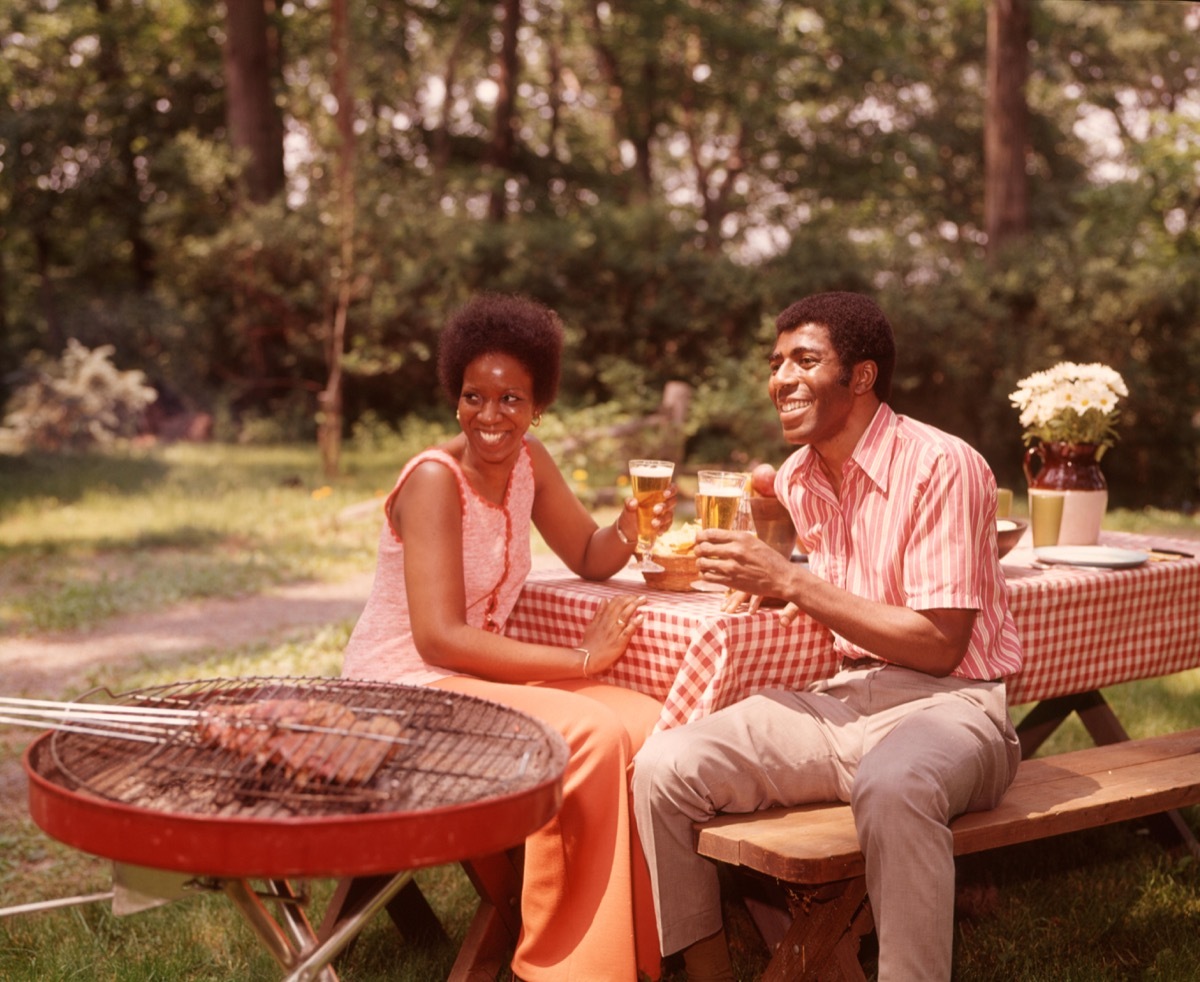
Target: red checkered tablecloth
x,y
1082,629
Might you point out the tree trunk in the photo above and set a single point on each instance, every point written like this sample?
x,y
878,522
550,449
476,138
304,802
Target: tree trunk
x,y
112,74
1006,185
467,22
503,132
329,422
255,124
48,300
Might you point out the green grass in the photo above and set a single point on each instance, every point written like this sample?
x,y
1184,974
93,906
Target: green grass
x,y
85,538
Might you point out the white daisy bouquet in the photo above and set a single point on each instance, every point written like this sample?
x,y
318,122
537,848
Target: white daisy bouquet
x,y
1071,403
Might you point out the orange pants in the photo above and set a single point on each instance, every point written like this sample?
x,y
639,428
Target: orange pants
x,y
587,912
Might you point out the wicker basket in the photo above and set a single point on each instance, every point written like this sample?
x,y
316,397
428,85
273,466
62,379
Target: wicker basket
x,y
678,575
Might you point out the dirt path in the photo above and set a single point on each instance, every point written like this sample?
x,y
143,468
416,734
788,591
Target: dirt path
x,y
58,665
48,666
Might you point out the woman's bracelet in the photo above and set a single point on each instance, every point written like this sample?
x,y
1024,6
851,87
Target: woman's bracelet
x,y
586,655
625,540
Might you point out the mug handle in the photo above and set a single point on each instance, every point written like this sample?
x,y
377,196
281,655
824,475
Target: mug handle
x,y
1027,462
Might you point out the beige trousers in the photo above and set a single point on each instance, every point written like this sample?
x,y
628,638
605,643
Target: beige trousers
x,y
907,750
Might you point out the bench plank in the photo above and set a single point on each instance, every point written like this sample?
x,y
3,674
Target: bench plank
x,y
1050,796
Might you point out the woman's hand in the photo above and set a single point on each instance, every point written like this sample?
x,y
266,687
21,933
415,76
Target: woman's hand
x,y
607,636
664,512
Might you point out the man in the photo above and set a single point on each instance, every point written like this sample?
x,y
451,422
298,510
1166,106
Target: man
x,y
898,521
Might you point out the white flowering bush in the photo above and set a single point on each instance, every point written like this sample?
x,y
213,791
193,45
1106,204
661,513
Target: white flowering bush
x,y
1070,403
79,401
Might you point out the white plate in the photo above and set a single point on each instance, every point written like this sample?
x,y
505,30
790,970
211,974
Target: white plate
x,y
1106,556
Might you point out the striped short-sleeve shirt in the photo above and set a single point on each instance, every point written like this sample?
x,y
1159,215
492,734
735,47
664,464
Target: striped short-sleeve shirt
x,y
914,526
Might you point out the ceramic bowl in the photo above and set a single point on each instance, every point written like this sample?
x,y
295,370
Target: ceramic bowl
x,y
1008,533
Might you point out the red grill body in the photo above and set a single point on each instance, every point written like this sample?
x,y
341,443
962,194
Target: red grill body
x,y
383,839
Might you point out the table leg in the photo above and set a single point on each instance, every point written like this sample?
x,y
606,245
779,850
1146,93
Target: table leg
x,y
408,909
1104,728
497,922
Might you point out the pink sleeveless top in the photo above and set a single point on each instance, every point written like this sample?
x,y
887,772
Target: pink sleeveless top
x,y
496,561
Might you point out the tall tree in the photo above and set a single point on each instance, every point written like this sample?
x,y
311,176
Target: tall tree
x,y
251,67
1006,185
504,120
329,426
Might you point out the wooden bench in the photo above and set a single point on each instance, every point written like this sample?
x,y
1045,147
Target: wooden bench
x,y
812,851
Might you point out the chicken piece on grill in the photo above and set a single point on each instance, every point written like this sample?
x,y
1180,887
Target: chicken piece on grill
x,y
310,740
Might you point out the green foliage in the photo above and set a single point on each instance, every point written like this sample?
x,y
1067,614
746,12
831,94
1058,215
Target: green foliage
x,y
678,173
81,400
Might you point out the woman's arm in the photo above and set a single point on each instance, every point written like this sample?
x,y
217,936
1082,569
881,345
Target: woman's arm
x,y
591,551
427,515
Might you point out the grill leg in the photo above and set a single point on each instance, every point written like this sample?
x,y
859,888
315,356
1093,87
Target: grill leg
x,y
276,940
291,914
294,948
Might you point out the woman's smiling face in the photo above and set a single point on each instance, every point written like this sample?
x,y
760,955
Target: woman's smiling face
x,y
495,406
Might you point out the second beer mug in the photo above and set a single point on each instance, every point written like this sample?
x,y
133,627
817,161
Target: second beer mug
x,y
718,495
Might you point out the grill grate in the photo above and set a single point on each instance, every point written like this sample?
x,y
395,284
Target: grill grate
x,y
437,751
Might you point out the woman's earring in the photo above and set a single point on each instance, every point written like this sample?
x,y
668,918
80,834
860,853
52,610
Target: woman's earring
x,y
458,416
537,419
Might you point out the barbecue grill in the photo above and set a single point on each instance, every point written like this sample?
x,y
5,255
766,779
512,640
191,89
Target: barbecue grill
x,y
273,778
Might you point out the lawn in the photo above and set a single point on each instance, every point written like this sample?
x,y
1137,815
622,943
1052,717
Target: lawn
x,y
84,539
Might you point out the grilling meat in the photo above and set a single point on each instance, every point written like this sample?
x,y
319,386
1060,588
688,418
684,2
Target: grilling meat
x,y
311,740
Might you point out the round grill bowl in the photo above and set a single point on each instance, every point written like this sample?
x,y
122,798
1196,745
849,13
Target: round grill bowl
x,y
384,840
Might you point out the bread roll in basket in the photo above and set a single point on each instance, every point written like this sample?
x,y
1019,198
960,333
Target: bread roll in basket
x,y
673,552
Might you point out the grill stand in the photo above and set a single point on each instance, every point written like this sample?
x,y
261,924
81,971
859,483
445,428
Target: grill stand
x,y
290,938
307,955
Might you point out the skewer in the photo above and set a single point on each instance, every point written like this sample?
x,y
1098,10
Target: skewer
x,y
123,734
95,708
129,718
146,724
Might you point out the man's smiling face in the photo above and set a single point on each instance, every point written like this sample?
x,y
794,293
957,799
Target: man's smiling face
x,y
809,386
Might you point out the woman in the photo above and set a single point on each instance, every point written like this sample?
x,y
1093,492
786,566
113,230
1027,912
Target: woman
x,y
453,555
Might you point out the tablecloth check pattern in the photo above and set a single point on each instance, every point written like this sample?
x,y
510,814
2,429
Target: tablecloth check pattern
x,y
1082,629
686,652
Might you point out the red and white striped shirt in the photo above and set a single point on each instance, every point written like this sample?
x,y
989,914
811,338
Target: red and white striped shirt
x,y
914,527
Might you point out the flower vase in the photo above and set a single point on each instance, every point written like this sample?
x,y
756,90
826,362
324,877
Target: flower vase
x,y
1073,469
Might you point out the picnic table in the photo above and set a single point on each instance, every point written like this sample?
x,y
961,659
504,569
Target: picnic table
x,y
1082,629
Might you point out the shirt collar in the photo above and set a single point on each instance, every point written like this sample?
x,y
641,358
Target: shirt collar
x,y
876,446
872,455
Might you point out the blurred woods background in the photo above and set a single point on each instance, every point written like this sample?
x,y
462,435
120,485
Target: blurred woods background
x,y
267,207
